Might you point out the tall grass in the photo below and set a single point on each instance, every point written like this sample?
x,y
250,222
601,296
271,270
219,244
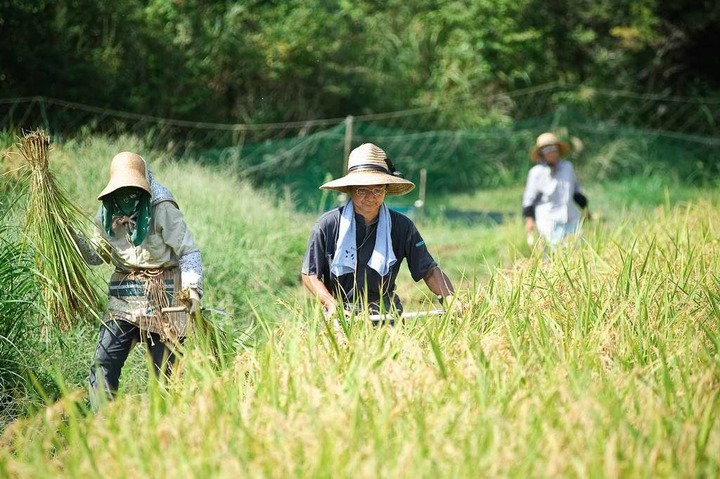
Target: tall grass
x,y
600,362
18,292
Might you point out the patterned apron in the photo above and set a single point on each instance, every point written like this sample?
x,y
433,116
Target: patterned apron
x,y
138,297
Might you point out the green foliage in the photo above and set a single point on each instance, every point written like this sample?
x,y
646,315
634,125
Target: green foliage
x,y
258,62
18,294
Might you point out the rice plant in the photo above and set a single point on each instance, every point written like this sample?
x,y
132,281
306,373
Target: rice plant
x,y
51,220
599,363
603,362
17,303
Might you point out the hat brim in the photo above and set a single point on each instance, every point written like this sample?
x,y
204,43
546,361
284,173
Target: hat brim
x,y
116,183
535,152
395,185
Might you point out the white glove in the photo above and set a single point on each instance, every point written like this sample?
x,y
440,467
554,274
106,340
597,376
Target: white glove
x,y
195,306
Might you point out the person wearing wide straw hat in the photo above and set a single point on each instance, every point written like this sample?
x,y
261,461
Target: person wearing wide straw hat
x,y
355,251
142,232
551,192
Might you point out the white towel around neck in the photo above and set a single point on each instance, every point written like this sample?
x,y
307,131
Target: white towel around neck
x,y
345,259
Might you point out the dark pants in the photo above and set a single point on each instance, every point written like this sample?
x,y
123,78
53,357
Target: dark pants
x,y
115,341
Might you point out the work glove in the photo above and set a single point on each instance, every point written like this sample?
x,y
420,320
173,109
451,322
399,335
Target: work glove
x,y
195,305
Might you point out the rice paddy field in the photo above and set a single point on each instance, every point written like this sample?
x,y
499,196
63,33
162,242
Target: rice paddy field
x,y
600,361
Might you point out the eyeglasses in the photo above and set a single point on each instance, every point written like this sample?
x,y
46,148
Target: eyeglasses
x,y
549,149
368,191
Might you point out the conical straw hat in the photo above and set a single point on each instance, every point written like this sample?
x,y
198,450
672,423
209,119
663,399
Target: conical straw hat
x,y
369,165
126,169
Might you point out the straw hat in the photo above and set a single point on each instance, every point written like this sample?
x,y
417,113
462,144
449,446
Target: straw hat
x,y
126,169
369,165
547,139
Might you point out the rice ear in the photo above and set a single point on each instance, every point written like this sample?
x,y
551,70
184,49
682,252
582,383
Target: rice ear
x,y
69,292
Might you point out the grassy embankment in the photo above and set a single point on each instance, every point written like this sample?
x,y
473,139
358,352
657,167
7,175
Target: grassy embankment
x,y
603,362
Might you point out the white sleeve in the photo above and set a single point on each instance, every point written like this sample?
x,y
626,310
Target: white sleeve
x,y
532,189
176,234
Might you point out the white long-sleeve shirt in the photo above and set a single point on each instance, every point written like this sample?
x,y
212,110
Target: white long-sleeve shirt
x,y
550,190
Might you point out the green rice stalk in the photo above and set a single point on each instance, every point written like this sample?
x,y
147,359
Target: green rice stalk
x,y
51,219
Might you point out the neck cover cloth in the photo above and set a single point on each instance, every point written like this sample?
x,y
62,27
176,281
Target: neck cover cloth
x,y
345,259
128,207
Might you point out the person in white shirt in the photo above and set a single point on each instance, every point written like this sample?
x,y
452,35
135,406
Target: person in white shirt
x,y
552,193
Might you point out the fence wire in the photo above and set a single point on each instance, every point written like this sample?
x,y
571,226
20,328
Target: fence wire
x,y
476,143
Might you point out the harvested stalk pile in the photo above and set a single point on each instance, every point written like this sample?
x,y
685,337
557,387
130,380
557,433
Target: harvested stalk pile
x,y
51,220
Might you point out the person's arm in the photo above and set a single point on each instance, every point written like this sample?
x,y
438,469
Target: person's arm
x,y
170,224
315,262
529,221
92,256
191,272
579,198
318,289
582,202
438,282
530,196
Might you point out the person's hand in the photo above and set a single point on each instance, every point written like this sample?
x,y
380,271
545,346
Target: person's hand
x,y
530,231
195,304
454,304
530,239
329,309
529,225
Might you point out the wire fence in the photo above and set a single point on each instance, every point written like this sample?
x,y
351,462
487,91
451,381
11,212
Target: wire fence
x,y
476,143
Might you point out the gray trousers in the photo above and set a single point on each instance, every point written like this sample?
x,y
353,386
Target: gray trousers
x,y
115,341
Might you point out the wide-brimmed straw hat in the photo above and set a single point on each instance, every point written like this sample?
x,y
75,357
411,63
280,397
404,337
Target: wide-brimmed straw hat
x,y
369,165
126,169
547,139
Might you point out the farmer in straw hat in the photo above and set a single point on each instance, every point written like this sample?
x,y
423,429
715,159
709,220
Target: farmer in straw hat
x,y
551,192
143,233
355,251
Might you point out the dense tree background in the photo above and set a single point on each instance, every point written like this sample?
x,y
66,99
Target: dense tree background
x,y
281,60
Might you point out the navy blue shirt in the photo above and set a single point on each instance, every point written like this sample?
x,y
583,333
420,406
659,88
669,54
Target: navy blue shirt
x,y
366,282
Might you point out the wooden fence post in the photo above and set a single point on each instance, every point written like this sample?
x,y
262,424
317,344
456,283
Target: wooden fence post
x,y
420,203
348,141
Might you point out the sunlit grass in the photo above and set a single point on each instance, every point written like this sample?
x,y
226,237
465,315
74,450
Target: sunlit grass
x,y
600,362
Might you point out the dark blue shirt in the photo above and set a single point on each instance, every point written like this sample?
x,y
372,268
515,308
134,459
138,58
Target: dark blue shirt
x,y
366,283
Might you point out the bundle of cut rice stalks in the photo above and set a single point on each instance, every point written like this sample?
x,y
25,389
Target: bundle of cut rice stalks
x,y
51,219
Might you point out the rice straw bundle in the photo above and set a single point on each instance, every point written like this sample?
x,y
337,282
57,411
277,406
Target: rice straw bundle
x,y
51,220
